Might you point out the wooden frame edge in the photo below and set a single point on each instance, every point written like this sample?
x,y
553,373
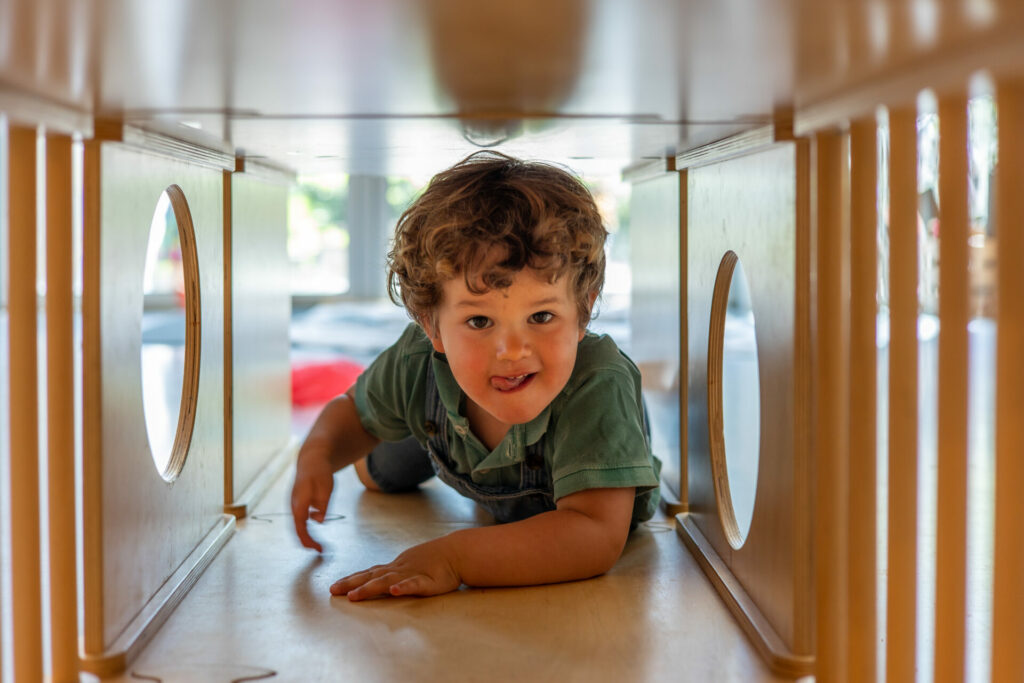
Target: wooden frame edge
x,y
731,147
193,335
769,645
178,143
253,493
645,169
148,621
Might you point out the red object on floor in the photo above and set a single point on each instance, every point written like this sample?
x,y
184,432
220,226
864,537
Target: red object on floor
x,y
318,382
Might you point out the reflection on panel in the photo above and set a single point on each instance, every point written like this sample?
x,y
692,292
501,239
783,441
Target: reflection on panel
x,y
741,402
163,333
655,315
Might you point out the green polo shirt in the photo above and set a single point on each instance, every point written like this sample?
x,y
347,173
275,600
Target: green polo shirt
x,y
594,427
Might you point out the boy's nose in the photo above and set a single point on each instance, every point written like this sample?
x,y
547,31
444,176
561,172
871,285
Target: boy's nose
x,y
512,346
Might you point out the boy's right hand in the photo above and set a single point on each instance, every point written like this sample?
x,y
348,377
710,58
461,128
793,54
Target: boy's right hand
x,y
311,492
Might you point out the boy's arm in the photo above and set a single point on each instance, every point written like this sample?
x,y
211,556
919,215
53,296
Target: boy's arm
x,y
582,538
336,439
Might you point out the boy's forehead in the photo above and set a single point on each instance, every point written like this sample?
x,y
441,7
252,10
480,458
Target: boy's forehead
x,y
526,277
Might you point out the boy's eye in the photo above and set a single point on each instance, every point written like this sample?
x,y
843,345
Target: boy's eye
x,y
479,322
542,317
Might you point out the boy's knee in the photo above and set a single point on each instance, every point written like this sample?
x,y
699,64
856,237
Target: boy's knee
x,y
363,472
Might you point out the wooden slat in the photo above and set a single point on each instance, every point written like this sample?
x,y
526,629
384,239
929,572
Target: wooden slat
x,y
862,587
229,377
683,493
803,569
92,403
901,596
26,601
1008,600
60,411
951,530
831,350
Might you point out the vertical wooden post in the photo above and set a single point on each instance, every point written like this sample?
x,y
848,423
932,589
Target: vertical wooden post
x,y
803,566
230,495
26,602
831,350
1008,589
951,530
684,344
60,411
901,596
863,482
92,402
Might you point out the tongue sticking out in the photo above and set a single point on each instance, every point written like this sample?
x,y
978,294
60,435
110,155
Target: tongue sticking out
x,y
508,383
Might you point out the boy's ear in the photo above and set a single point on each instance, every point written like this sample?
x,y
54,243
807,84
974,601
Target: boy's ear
x,y
590,307
435,339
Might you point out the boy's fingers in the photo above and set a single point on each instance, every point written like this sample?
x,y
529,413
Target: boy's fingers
x,y
300,514
414,585
372,588
305,539
320,499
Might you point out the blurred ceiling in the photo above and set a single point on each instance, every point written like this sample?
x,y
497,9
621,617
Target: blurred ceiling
x,y
400,86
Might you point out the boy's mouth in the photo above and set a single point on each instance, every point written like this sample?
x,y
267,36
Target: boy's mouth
x,y
511,383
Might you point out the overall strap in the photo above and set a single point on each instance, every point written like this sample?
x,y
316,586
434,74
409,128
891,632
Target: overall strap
x,y
535,473
435,413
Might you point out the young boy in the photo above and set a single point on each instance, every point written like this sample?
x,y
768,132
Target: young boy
x,y
497,389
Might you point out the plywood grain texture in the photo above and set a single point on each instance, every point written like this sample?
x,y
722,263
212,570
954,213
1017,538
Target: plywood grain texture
x,y
831,354
623,626
257,351
22,373
748,205
139,527
60,412
863,481
951,530
1008,601
654,315
901,594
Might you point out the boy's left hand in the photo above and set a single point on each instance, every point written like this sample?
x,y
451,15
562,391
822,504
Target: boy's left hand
x,y
425,569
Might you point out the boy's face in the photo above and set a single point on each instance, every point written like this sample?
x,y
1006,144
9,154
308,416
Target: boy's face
x,y
511,350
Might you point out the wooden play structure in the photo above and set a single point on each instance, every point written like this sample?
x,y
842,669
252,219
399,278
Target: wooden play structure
x,y
782,140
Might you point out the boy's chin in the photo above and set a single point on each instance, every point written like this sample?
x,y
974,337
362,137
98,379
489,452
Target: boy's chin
x,y
518,417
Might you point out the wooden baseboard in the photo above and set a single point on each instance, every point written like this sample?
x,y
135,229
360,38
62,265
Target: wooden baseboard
x,y
254,492
127,646
769,645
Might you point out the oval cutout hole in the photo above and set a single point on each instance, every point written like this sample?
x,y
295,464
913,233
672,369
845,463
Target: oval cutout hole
x,y
170,333
734,400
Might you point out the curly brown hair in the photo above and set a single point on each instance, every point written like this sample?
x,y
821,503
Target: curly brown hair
x,y
488,217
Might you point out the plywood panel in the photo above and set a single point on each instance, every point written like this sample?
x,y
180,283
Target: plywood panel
x,y
863,409
26,590
832,369
1008,601
748,205
138,527
951,529
260,310
655,315
901,593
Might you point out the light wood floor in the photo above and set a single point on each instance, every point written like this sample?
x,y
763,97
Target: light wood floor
x,y
263,606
